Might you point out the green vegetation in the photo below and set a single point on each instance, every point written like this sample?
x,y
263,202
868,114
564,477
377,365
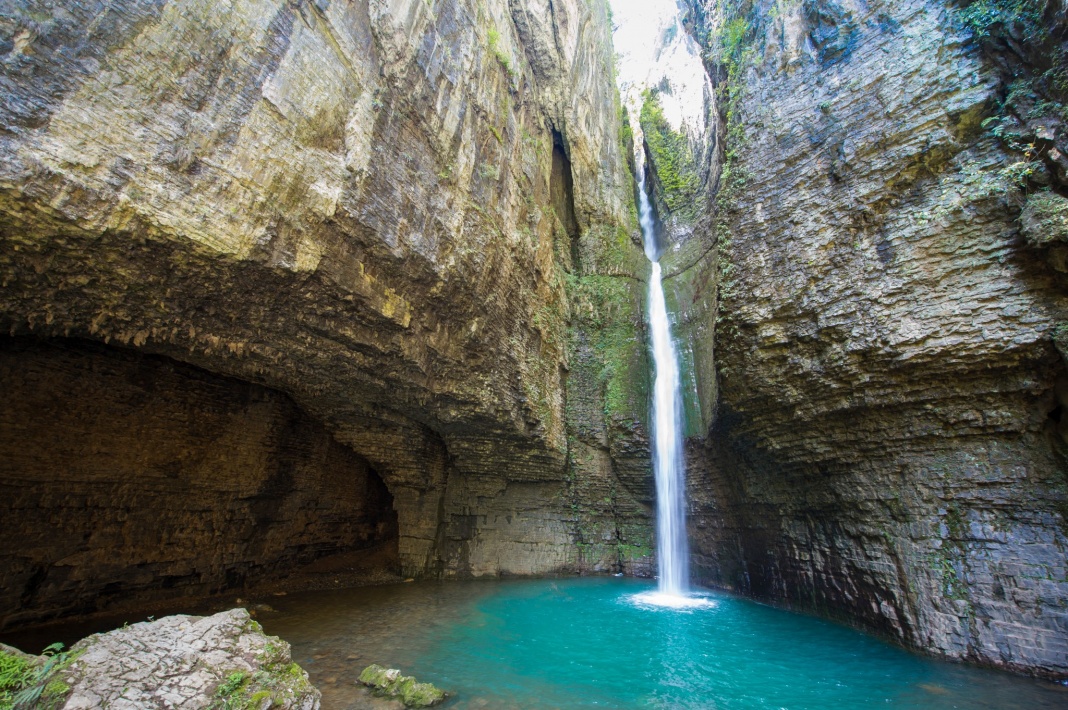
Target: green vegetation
x,y
278,680
672,160
730,50
1047,213
489,172
604,308
953,555
989,18
389,682
626,133
1021,103
25,683
248,691
1037,78
493,37
15,675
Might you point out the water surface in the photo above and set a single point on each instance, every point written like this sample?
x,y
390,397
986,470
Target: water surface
x,y
586,643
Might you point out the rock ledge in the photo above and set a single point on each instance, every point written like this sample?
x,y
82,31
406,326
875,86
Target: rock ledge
x,y
188,662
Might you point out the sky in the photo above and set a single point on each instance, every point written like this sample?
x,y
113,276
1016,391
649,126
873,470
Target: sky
x,y
651,45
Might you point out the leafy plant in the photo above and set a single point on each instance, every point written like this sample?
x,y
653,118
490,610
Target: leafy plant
x,y
494,39
23,683
232,684
986,17
489,172
15,674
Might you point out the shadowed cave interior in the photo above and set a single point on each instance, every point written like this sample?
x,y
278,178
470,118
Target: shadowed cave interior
x,y
129,479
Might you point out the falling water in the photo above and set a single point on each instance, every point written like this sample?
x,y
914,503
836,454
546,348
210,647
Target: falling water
x,y
671,546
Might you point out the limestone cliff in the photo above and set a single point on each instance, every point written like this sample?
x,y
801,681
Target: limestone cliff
x,y
888,445
410,219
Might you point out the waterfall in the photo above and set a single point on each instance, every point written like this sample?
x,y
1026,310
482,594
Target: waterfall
x,y
672,550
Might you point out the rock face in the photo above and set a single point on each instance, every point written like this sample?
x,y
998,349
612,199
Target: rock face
x,y
889,441
223,660
412,221
128,476
390,683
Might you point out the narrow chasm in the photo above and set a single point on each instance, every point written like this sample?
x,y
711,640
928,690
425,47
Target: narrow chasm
x,y
130,480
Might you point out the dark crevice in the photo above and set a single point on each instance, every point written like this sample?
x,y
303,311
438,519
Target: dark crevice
x,y
562,196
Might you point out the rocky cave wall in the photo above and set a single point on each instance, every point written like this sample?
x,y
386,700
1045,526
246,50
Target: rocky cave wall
x,y
351,203
888,440
129,478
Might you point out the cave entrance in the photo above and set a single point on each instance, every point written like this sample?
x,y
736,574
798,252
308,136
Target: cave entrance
x,y
129,480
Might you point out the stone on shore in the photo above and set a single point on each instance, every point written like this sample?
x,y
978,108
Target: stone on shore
x,y
187,662
390,682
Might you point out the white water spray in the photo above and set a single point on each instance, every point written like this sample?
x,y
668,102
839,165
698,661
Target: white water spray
x,y
654,49
672,550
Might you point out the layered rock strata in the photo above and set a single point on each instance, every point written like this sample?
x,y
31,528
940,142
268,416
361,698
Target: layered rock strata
x,y
411,218
889,441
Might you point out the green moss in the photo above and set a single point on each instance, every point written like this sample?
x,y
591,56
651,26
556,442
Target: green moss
x,y
278,679
1045,217
729,50
953,554
626,133
493,38
233,683
605,310
955,524
390,683
674,169
489,172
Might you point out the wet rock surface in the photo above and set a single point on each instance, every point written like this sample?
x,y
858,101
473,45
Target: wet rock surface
x,y
888,446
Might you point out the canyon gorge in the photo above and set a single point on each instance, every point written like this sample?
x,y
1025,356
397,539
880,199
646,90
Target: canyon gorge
x,y
312,293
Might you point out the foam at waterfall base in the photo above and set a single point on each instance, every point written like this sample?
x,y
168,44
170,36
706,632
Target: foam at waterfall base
x,y
666,600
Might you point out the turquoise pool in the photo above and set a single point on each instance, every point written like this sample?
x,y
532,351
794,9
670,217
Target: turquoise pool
x,y
587,643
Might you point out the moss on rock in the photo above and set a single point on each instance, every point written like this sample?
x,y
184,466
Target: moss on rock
x,y
1045,219
674,169
390,682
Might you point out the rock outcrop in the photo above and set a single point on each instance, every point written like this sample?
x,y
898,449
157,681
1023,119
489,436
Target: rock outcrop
x,y
888,446
191,662
413,220
389,682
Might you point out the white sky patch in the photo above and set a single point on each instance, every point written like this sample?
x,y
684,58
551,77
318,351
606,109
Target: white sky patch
x,y
654,49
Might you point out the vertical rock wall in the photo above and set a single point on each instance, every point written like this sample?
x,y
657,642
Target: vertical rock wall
x,y
888,444
352,203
